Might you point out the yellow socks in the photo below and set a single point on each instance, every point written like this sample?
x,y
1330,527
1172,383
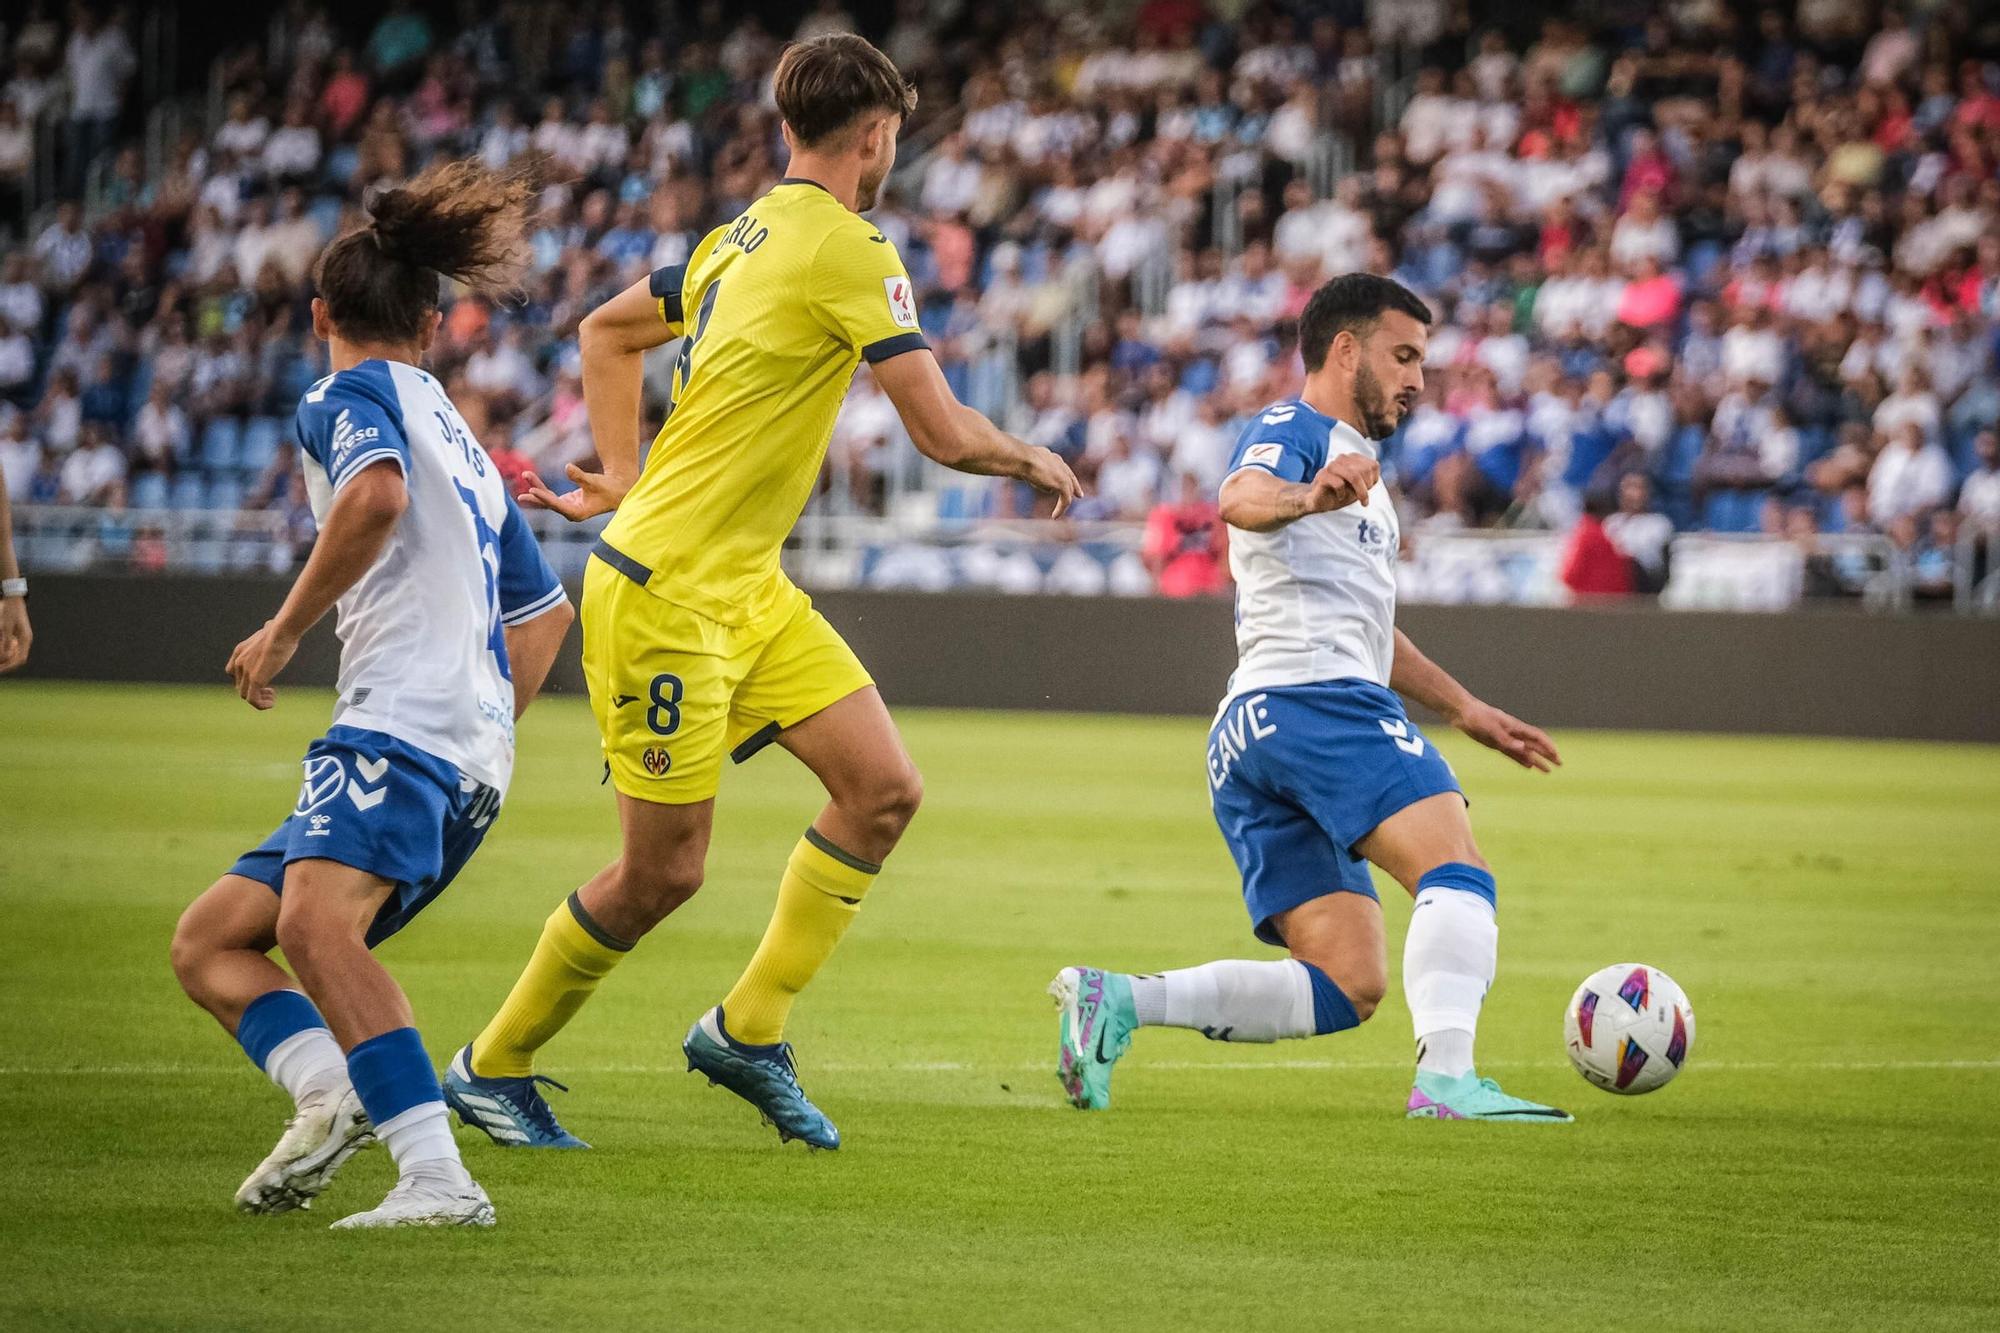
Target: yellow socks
x,y
817,901
573,956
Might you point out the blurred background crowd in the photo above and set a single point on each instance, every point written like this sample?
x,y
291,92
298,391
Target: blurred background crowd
x,y
1698,268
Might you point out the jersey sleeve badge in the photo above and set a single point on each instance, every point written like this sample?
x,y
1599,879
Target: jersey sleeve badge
x,y
1263,455
902,301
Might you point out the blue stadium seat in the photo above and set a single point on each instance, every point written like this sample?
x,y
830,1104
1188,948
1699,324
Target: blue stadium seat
x,y
224,493
187,493
221,444
260,444
149,491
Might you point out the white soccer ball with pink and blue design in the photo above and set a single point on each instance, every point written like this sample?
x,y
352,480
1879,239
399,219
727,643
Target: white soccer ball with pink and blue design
x,y
1629,1028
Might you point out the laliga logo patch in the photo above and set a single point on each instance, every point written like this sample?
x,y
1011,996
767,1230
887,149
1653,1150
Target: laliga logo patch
x,y
656,761
323,781
902,302
1263,455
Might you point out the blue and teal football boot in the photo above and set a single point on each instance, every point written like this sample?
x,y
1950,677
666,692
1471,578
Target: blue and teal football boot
x,y
510,1111
764,1076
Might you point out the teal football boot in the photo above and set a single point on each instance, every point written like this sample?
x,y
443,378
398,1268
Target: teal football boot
x,y
1096,1023
1470,1097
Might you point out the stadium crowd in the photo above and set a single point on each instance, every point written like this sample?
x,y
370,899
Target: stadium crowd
x,y
1693,266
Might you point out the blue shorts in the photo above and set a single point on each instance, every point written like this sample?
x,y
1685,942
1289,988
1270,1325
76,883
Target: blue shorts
x,y
1299,774
377,804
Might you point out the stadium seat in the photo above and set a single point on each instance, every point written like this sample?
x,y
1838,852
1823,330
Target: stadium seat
x,y
187,492
260,444
224,493
221,444
148,491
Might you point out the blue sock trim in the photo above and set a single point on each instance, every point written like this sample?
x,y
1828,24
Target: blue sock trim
x,y
270,1019
392,1073
1469,879
1332,1010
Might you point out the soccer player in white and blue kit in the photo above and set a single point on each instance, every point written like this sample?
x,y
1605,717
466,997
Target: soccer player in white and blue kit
x,y
1314,768
449,620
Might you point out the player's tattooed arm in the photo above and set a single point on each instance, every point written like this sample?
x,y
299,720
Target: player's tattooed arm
x,y
357,527
15,635
948,432
1258,500
1415,676
614,340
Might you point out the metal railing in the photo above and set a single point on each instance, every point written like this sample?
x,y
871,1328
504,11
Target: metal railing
x,y
1975,570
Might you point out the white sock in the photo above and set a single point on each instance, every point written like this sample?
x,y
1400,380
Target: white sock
x,y
1229,1000
420,1141
1448,965
308,1065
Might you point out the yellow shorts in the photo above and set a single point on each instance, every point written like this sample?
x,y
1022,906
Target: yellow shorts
x,y
674,690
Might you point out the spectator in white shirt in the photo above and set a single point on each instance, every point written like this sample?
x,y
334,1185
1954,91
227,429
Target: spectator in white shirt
x,y
63,249
1639,531
244,132
93,468
97,62
951,179
1913,404
160,431
20,456
292,152
1645,233
1909,477
1978,499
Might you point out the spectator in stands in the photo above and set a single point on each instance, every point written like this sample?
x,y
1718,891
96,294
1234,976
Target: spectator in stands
x,y
1979,498
17,155
159,431
1640,532
17,363
64,249
1591,565
20,456
59,416
1911,476
92,468
97,63
1186,544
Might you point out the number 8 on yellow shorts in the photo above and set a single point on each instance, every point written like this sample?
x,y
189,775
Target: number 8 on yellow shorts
x,y
674,690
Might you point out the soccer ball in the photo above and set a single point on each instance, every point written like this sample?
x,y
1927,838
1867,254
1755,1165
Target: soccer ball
x,y
1629,1028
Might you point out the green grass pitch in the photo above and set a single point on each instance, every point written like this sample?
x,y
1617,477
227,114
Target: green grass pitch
x,y
1828,1159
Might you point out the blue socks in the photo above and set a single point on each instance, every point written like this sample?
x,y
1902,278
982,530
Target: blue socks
x,y
393,1074
270,1019
1457,875
1332,1010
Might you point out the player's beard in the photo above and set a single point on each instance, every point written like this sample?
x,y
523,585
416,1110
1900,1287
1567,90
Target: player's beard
x,y
867,191
1379,417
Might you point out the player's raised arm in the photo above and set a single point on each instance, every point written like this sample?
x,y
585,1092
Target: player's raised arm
x,y
1257,498
1415,676
614,340
947,431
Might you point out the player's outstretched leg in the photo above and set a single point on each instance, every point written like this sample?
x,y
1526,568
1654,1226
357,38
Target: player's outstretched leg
x,y
1449,960
220,953
1229,1000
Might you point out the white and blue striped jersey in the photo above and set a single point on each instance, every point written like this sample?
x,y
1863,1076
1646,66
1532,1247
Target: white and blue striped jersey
x,y
1315,599
422,655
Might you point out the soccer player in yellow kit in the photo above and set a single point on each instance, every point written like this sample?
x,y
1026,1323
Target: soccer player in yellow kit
x,y
695,642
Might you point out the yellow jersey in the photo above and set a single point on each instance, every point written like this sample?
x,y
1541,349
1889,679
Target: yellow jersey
x,y
779,308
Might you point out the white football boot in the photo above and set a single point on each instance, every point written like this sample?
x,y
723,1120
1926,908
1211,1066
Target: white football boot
x,y
424,1200
317,1140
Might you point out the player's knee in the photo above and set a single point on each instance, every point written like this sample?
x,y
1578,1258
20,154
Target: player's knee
x,y
654,890
1365,992
897,799
311,938
190,951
